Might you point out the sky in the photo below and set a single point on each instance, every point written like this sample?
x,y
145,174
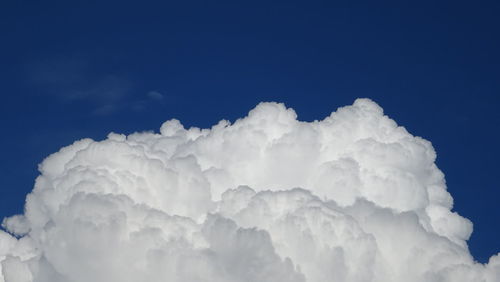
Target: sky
x,y
86,68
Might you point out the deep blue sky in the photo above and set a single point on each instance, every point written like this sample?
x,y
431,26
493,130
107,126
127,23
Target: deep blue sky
x,y
74,69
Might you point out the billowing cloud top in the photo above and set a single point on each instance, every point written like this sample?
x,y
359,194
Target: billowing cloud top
x,y
353,197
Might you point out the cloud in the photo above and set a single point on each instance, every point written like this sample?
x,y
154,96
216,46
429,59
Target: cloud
x,y
136,105
155,95
74,79
152,98
353,197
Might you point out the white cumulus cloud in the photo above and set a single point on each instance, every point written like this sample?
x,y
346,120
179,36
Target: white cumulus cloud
x,y
353,197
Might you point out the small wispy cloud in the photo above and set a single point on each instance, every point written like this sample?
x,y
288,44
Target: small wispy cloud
x,y
155,95
107,89
138,104
75,79
72,79
105,110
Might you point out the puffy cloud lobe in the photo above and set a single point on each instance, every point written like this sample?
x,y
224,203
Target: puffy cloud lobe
x,y
353,197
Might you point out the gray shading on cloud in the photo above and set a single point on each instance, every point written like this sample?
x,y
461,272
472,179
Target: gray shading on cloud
x,y
353,197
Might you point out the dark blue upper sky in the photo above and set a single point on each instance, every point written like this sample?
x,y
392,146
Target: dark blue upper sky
x,y
74,69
